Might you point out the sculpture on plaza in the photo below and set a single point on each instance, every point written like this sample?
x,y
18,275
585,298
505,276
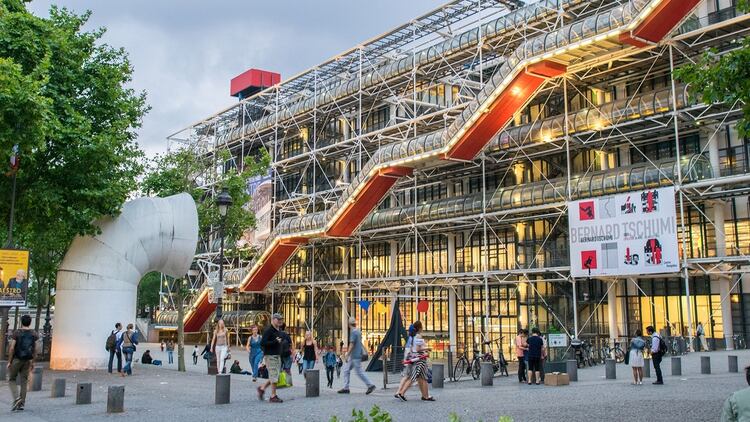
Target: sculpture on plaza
x,y
97,282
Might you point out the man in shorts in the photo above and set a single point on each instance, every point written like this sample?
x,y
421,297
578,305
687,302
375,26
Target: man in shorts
x,y
270,342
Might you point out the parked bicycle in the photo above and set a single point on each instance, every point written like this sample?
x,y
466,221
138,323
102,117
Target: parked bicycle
x,y
739,341
615,353
499,364
465,367
583,353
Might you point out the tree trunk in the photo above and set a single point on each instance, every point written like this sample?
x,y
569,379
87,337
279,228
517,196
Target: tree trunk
x,y
180,328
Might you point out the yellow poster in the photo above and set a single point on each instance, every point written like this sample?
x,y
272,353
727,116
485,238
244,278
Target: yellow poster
x,y
14,281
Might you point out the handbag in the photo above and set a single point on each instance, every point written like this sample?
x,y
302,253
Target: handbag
x,y
627,357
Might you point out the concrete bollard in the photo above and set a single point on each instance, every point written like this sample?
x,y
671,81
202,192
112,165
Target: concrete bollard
x,y
572,367
706,365
486,372
223,388
438,375
3,370
733,366
647,367
676,366
36,379
610,370
312,383
83,393
58,388
116,399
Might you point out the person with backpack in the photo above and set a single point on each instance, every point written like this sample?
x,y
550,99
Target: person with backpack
x,y
329,360
658,349
21,361
113,347
271,345
129,341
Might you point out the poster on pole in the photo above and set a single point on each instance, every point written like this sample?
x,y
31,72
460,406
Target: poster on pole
x,y
14,282
625,234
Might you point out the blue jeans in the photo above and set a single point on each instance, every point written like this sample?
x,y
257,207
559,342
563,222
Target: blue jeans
x,y
128,353
255,360
308,364
170,356
356,366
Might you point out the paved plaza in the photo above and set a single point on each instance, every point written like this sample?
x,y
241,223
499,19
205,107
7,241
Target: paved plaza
x,y
162,393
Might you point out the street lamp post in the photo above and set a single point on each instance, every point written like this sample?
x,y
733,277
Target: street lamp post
x,y
223,201
47,326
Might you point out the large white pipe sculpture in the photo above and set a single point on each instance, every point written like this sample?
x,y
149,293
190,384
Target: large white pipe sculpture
x,y
97,282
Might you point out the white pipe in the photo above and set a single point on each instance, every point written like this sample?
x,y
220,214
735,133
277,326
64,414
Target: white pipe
x,y
97,282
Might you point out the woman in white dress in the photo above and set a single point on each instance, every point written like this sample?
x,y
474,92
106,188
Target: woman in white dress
x,y
637,345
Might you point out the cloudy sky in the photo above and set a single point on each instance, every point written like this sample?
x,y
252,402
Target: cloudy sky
x,y
186,51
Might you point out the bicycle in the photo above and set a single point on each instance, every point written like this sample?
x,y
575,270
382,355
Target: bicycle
x,y
739,341
464,367
499,364
616,352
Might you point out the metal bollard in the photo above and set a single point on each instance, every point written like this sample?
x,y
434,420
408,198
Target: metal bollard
x,y
438,375
83,393
733,367
116,399
706,365
223,388
571,366
610,370
647,367
312,383
676,366
36,379
58,388
385,371
3,370
486,372
451,375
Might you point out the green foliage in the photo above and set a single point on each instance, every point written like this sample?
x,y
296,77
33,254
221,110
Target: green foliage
x,y
64,101
722,79
184,170
148,291
376,415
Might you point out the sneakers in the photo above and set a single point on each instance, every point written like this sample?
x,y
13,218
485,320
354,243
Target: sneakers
x,y
370,389
261,392
17,405
658,383
275,399
344,391
400,397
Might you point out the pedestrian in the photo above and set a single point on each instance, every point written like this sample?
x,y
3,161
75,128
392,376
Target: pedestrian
x,y
286,353
701,334
113,347
737,406
298,361
220,345
658,348
195,354
255,354
535,353
330,360
521,347
170,352
129,341
207,355
415,359
21,352
271,345
309,352
340,362
162,345
635,357
353,359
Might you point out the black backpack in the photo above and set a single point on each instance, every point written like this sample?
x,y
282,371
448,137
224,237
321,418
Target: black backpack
x,y
111,342
25,343
662,347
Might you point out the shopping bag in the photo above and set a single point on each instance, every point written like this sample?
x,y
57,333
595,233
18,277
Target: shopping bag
x,y
282,380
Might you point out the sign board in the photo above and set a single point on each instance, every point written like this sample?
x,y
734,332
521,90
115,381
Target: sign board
x,y
625,234
14,282
557,340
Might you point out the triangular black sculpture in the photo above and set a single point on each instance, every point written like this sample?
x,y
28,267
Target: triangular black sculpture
x,y
395,339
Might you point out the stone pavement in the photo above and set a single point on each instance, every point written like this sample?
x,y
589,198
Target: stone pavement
x,y
155,393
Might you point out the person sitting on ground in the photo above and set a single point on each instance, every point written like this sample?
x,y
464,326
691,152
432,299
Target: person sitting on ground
x,y
146,359
236,369
737,406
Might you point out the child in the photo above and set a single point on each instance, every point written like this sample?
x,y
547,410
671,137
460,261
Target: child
x,y
330,360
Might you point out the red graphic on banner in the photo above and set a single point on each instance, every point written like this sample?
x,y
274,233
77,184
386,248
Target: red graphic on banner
x,y
586,210
588,260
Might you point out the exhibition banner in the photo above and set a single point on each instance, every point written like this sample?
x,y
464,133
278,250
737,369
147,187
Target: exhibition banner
x,y
624,234
14,282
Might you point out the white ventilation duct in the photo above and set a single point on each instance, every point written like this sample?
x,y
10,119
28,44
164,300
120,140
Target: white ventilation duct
x,y
97,282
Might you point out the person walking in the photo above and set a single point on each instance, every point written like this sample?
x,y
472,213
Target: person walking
x,y
416,360
113,347
286,353
21,352
521,347
129,341
407,362
271,344
658,348
170,352
535,353
737,406
298,361
330,361
700,332
220,345
255,354
162,345
195,355
354,359
339,363
309,352
635,357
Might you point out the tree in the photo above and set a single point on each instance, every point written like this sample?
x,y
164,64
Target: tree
x,y
148,292
723,78
181,293
64,101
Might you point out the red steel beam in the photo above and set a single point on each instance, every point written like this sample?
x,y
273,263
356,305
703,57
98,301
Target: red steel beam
x,y
275,259
660,22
